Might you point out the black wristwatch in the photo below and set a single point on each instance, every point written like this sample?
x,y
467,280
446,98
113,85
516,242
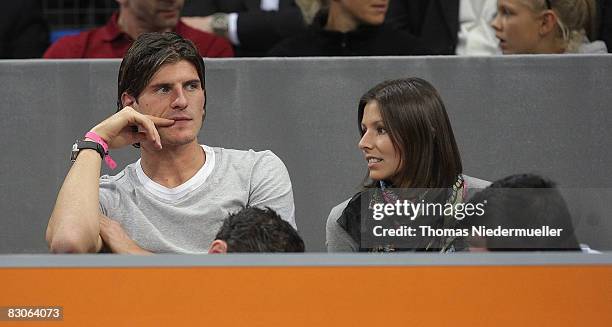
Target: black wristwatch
x,y
80,145
220,23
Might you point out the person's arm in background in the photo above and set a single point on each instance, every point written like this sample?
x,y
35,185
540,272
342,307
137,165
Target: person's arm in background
x,y
259,31
254,31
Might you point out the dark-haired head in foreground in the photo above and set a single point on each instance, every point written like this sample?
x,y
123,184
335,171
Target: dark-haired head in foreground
x,y
523,201
256,230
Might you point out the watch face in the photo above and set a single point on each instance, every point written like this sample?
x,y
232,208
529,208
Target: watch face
x,y
219,23
79,145
75,151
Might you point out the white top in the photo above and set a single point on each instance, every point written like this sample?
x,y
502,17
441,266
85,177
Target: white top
x,y
185,219
176,193
595,47
269,5
476,36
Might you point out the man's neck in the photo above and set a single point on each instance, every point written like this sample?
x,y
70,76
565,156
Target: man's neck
x,y
339,20
133,26
173,166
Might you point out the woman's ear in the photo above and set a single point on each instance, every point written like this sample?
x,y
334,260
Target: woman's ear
x,y
549,22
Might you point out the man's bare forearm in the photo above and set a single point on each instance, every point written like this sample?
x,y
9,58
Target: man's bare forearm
x,y
74,226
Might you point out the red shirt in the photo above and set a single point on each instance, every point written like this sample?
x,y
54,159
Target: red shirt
x,y
109,41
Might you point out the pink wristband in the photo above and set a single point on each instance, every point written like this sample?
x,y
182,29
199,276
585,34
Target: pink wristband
x,y
107,158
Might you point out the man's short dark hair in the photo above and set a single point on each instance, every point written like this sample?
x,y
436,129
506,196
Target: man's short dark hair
x,y
259,230
147,55
525,201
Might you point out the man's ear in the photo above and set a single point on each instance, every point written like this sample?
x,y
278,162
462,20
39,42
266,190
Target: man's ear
x,y
217,246
127,100
204,111
549,22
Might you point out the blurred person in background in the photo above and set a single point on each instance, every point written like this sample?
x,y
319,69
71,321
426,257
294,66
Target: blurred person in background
x,y
447,27
349,28
252,26
24,33
134,18
547,26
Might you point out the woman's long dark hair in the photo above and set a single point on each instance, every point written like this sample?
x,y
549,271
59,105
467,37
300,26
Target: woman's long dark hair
x,y
416,120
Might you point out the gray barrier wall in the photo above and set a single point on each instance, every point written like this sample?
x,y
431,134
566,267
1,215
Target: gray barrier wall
x,y
308,260
549,115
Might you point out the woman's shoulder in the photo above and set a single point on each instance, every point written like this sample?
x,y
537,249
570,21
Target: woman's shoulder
x,y
474,185
474,182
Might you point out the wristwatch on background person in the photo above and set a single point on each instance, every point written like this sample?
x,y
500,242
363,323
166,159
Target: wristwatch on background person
x,y
220,24
81,145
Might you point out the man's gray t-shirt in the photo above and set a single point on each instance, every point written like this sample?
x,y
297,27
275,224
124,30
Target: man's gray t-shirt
x,y
185,219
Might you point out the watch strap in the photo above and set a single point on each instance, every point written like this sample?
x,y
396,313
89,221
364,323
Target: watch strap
x,y
81,145
108,160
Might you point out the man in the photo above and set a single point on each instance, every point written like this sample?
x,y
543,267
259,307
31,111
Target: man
x,y
175,197
252,26
256,230
523,202
349,28
134,18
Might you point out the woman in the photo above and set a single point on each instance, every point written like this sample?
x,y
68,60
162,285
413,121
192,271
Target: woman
x,y
408,143
546,26
348,28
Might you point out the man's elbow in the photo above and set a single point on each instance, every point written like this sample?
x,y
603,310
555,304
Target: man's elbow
x,y
70,243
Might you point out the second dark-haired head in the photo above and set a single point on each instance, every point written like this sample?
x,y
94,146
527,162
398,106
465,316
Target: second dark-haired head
x,y
411,115
147,55
256,230
524,201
